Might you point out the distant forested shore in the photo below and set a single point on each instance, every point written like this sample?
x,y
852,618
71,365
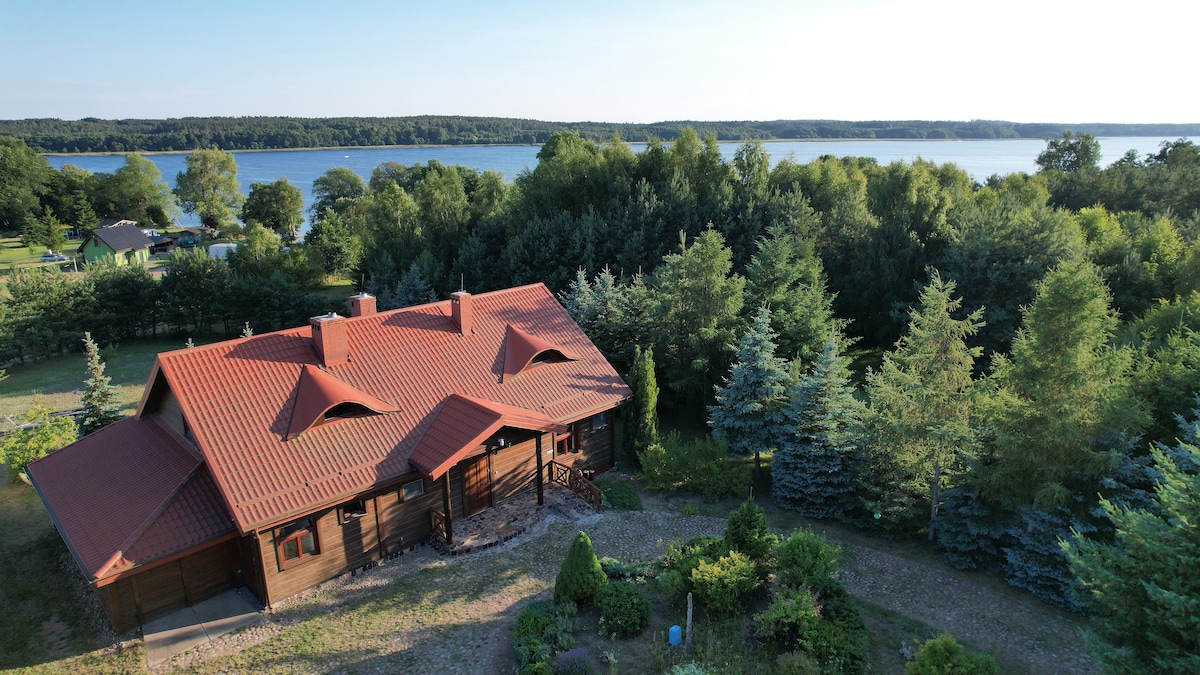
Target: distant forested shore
x,y
278,133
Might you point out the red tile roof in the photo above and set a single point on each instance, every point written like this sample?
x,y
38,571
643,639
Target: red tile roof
x,y
112,494
462,424
238,397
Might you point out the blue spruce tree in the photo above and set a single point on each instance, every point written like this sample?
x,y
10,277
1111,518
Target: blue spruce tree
x,y
749,408
811,471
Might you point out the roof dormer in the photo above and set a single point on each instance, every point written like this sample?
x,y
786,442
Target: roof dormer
x,y
522,350
322,398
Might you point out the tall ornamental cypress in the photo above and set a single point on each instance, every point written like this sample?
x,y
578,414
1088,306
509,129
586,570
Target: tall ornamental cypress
x,y
749,408
642,425
580,577
99,396
811,471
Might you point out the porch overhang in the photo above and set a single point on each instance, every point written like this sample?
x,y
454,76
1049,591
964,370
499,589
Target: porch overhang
x,y
462,423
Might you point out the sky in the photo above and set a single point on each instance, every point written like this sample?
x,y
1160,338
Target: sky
x,y
616,61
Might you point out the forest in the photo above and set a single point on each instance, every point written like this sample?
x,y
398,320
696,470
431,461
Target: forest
x,y
1008,368
273,133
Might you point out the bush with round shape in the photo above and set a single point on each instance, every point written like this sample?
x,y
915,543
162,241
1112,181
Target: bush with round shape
x,y
581,575
943,655
574,662
673,585
623,609
722,584
746,531
805,558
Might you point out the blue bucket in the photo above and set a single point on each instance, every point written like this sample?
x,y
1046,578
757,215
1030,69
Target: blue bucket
x,y
675,635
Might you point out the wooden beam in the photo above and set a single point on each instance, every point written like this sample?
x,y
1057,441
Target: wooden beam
x,y
540,471
446,506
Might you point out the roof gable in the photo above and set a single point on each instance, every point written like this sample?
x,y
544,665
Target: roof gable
x,y
104,491
462,423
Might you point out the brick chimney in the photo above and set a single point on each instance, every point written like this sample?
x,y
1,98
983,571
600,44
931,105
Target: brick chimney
x,y
329,338
362,304
461,313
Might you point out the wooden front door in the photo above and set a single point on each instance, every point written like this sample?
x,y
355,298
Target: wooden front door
x,y
477,485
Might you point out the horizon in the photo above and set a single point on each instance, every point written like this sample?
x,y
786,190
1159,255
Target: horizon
x,y
624,63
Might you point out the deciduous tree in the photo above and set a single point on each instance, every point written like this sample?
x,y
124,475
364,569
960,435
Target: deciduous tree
x,y
276,206
209,187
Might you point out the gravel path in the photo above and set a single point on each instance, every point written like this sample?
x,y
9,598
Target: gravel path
x,y
456,616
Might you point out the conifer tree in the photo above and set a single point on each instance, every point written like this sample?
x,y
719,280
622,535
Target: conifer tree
x,y
785,274
642,425
99,396
580,577
1062,388
412,289
749,409
811,471
1143,588
922,396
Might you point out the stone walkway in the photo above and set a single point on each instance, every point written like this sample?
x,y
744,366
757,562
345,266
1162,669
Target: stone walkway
x,y
456,615
513,517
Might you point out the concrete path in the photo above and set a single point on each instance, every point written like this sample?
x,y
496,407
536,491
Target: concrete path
x,y
203,622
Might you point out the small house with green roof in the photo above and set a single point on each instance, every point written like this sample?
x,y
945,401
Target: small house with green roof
x,y
118,242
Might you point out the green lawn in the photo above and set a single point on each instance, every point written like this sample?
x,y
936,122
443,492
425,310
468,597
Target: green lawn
x,y
59,380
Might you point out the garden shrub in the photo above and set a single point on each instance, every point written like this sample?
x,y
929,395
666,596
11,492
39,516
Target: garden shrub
x,y
805,558
796,663
537,668
943,655
672,585
542,629
619,495
692,668
746,531
580,576
840,642
687,557
791,618
720,585
623,609
615,569
701,465
574,662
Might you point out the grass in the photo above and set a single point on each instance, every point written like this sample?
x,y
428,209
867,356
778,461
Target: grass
x,y
43,626
59,380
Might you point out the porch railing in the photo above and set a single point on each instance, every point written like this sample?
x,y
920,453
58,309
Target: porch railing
x,y
437,524
573,480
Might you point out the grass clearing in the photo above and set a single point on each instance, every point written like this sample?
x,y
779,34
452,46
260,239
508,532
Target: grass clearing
x,y
60,379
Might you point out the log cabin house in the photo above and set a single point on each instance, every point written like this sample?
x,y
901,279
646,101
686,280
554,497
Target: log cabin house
x,y
282,460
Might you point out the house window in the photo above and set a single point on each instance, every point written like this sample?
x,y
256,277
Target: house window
x,y
566,442
352,510
297,542
412,490
599,421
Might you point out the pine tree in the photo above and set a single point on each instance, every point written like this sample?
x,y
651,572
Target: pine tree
x,y
1143,588
412,289
811,471
749,408
922,396
99,396
641,427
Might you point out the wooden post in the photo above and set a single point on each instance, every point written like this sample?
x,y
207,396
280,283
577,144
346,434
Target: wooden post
x,y
687,641
540,470
446,505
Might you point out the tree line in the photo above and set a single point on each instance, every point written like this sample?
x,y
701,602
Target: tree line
x,y
1030,340
267,133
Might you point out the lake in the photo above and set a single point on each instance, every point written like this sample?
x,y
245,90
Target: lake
x,y
979,158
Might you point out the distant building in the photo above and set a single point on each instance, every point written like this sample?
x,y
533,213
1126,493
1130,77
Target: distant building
x,y
221,251
116,241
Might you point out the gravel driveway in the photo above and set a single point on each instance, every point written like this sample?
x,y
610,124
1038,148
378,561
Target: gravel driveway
x,y
455,615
